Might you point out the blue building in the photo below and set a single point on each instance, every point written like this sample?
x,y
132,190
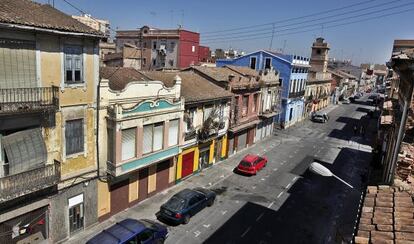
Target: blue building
x,y
293,71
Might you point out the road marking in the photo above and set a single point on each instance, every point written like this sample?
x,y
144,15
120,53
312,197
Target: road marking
x,y
288,185
197,233
275,169
280,194
270,205
263,179
260,216
207,225
253,187
294,178
237,201
245,232
223,212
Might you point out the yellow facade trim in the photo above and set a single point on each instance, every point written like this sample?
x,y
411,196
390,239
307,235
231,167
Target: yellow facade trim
x,y
133,187
224,146
104,199
152,178
211,157
180,160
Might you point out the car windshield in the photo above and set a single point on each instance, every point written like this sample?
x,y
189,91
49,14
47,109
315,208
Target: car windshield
x,y
175,203
245,163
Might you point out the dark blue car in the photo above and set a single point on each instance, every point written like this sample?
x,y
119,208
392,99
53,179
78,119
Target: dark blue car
x,y
185,204
132,231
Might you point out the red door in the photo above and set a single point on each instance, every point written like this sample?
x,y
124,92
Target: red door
x,y
119,196
143,184
188,164
163,175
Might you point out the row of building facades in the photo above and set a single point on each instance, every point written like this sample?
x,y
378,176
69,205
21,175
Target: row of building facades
x,y
86,134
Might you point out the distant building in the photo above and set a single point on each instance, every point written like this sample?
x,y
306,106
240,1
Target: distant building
x,y
130,56
161,48
293,71
318,86
94,23
204,54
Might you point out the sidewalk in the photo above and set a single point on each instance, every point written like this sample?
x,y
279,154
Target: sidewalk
x,y
147,208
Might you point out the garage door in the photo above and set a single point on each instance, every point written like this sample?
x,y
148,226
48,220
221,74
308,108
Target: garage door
x,y
163,175
230,146
258,133
119,196
242,140
188,164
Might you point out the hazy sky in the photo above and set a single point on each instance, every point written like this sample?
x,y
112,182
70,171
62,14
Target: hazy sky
x,y
367,41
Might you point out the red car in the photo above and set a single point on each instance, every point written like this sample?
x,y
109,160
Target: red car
x,y
250,164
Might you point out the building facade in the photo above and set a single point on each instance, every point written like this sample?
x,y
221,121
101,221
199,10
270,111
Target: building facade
x,y
293,72
140,133
206,121
47,99
162,49
318,87
129,57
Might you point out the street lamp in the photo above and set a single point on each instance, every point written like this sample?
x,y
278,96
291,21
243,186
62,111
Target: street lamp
x,y
319,169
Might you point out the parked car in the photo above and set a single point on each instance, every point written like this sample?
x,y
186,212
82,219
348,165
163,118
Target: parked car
x,y
185,204
346,101
132,231
319,118
251,163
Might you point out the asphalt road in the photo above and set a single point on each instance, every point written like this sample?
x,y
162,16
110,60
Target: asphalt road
x,y
285,203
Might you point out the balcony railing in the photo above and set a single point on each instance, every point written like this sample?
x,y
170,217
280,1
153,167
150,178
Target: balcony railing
x,y
36,99
189,135
296,94
17,185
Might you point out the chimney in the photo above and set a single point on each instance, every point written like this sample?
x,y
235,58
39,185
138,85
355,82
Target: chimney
x,y
231,77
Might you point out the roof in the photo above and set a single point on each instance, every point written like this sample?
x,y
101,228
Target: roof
x,y
32,14
250,157
119,77
194,87
118,233
220,74
341,73
243,70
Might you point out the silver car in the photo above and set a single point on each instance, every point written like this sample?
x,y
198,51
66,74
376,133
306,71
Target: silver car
x,y
319,118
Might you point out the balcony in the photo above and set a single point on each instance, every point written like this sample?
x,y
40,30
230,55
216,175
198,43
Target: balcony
x,y
28,100
189,135
17,185
296,94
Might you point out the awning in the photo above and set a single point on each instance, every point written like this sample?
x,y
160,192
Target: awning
x,y
244,126
25,150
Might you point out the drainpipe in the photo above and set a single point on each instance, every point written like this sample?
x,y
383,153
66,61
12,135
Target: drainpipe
x,y
98,95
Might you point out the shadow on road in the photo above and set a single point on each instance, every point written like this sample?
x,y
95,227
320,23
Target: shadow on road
x,y
347,132
318,209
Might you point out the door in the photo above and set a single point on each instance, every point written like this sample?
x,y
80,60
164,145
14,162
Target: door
x,y
163,175
187,164
242,140
230,146
217,149
204,158
119,196
196,203
143,184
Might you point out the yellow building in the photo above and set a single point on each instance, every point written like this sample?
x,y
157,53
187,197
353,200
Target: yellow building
x,y
48,84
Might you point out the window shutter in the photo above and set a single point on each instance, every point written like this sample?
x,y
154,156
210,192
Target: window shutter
x,y
25,150
128,143
158,136
17,63
147,139
74,136
173,133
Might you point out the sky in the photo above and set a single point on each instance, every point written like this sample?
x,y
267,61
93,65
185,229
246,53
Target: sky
x,y
363,42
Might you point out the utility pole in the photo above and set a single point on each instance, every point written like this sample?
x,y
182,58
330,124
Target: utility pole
x,y
271,40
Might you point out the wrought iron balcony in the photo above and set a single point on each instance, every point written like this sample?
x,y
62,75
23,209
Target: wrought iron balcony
x,y
17,185
28,100
296,94
189,135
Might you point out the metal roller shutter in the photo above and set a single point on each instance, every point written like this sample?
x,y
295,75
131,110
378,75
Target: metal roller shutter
x,y
242,140
128,143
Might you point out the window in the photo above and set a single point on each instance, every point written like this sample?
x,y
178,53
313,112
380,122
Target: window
x,y
318,51
254,102
154,62
144,61
207,112
145,236
154,45
171,62
173,132
253,62
153,137
128,141
268,63
74,136
189,119
245,105
17,63
73,64
193,49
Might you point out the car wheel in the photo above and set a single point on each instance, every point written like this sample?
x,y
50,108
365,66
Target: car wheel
x,y
211,202
186,219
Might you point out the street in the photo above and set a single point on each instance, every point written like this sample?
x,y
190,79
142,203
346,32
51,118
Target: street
x,y
285,203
